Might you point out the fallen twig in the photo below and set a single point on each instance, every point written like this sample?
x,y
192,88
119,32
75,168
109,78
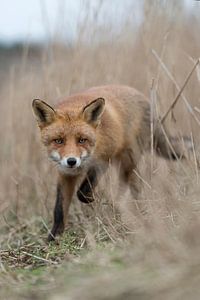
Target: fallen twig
x,y
39,258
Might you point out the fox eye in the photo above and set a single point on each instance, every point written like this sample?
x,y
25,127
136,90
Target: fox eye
x,y
59,141
82,140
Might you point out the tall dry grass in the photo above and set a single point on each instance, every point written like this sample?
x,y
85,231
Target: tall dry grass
x,y
169,230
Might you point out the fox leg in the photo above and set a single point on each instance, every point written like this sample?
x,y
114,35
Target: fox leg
x,y
134,184
65,191
129,174
85,191
131,178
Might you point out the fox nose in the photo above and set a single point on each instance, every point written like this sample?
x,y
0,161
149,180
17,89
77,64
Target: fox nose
x,y
71,161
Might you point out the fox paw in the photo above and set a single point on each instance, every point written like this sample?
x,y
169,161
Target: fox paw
x,y
56,230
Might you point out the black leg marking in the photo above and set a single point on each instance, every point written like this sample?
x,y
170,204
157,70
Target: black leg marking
x,y
85,193
58,226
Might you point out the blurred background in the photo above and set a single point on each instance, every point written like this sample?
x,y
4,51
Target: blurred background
x,y
49,49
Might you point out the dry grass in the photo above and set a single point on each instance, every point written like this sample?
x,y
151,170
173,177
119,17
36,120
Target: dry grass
x,y
111,251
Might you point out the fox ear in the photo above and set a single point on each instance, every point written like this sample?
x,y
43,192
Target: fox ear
x,y
93,111
44,113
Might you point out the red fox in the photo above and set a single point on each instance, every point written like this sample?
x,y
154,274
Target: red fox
x,y
87,131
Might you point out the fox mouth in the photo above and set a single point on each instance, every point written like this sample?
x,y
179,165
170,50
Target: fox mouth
x,y
69,170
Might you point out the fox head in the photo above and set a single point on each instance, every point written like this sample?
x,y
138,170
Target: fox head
x,y
70,139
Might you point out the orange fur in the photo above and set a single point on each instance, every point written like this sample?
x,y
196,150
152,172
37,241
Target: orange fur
x,y
116,130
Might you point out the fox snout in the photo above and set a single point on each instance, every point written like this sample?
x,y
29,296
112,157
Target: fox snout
x,y
67,163
70,162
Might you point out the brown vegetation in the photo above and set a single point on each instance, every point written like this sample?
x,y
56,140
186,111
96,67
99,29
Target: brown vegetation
x,y
159,249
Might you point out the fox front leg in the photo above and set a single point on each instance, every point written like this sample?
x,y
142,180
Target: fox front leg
x,y
58,226
85,191
65,190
